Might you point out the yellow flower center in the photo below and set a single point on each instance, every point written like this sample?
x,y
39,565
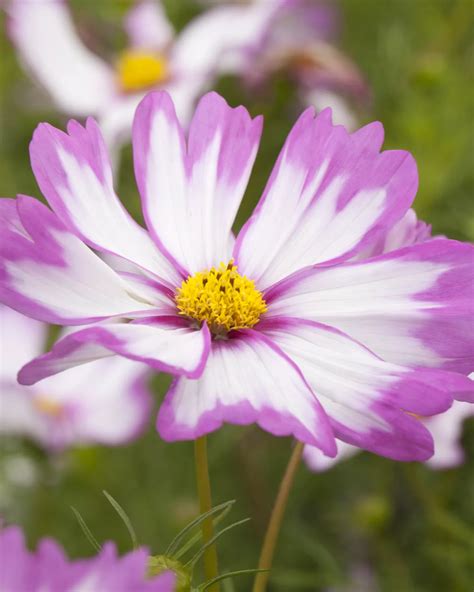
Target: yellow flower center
x,y
222,297
47,406
137,69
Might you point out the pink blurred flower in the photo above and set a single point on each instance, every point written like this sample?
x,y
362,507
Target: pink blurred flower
x,y
284,325
105,401
48,569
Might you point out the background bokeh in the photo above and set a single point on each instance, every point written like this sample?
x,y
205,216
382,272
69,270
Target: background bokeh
x,y
369,523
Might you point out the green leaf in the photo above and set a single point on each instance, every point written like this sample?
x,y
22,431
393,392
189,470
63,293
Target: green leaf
x,y
123,515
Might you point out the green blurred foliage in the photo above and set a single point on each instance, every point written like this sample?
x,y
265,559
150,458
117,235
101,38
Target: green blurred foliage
x,y
368,524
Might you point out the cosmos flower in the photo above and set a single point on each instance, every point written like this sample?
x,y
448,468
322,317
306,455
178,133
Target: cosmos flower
x,y
446,429
49,570
299,40
282,325
82,83
104,402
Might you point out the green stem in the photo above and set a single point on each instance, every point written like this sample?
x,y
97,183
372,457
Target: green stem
x,y
276,518
205,504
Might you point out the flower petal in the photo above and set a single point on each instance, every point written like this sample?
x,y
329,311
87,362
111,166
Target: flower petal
x,y
105,401
147,26
191,193
329,196
247,379
15,349
73,172
318,462
209,42
49,274
365,397
116,121
19,415
412,307
167,345
18,565
150,290
48,568
447,430
65,354
45,36
342,112
406,232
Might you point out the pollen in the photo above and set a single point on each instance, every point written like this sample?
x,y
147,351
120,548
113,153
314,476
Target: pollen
x,y
222,297
137,70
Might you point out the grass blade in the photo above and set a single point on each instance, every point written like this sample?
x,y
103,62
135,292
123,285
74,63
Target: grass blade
x,y
230,574
224,508
86,530
195,538
123,515
211,541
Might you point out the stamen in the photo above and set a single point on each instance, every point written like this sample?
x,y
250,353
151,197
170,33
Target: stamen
x,y
222,297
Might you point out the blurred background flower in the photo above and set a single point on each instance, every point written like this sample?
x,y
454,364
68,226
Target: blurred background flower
x,y
369,523
80,82
108,402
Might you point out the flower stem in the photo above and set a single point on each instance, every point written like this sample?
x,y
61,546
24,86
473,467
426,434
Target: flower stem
x,y
205,504
276,518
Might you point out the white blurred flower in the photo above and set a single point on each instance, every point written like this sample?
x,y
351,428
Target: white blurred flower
x,y
104,401
81,83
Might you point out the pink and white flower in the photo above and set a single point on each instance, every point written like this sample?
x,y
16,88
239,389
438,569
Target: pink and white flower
x,y
282,325
105,401
82,83
49,570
